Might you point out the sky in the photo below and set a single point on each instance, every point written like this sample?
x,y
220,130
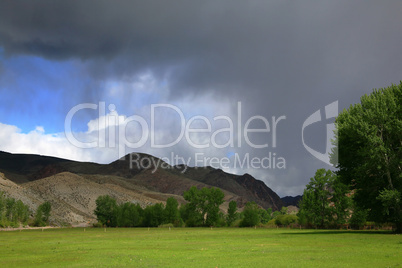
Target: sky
x,y
245,86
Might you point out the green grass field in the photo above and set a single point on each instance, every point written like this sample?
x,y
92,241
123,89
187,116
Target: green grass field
x,y
199,247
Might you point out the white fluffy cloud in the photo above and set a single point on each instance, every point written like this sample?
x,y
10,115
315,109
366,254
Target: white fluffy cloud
x,y
38,141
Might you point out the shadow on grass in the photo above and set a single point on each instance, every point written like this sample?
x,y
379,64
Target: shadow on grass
x,y
335,232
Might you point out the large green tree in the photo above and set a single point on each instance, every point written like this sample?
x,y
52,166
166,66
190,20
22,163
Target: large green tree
x,y
106,210
368,153
324,200
203,206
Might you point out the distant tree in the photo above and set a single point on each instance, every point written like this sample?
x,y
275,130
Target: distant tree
x,y
22,212
153,215
203,206
106,210
275,214
285,219
368,153
284,210
264,215
42,214
340,202
10,208
2,207
358,218
193,212
250,215
317,206
46,208
12,211
128,215
269,211
232,213
190,215
38,218
221,220
171,213
214,200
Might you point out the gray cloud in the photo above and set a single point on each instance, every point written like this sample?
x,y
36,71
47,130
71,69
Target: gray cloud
x,y
276,57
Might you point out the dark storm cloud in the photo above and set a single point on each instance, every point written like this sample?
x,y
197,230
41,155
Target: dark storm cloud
x,y
261,45
276,57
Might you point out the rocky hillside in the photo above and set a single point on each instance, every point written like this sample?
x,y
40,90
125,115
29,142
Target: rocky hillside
x,y
72,187
73,196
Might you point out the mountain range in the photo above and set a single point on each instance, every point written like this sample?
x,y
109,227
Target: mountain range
x,y
72,187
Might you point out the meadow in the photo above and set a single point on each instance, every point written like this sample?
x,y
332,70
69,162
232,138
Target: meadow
x,y
199,247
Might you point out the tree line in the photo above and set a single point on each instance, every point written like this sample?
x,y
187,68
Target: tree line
x,y
201,210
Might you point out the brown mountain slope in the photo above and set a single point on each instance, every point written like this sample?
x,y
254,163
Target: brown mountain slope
x,y
19,192
158,177
73,196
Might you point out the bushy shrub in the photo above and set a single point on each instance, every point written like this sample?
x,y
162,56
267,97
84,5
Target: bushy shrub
x,y
358,218
285,220
236,223
166,225
250,215
178,223
220,221
97,225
